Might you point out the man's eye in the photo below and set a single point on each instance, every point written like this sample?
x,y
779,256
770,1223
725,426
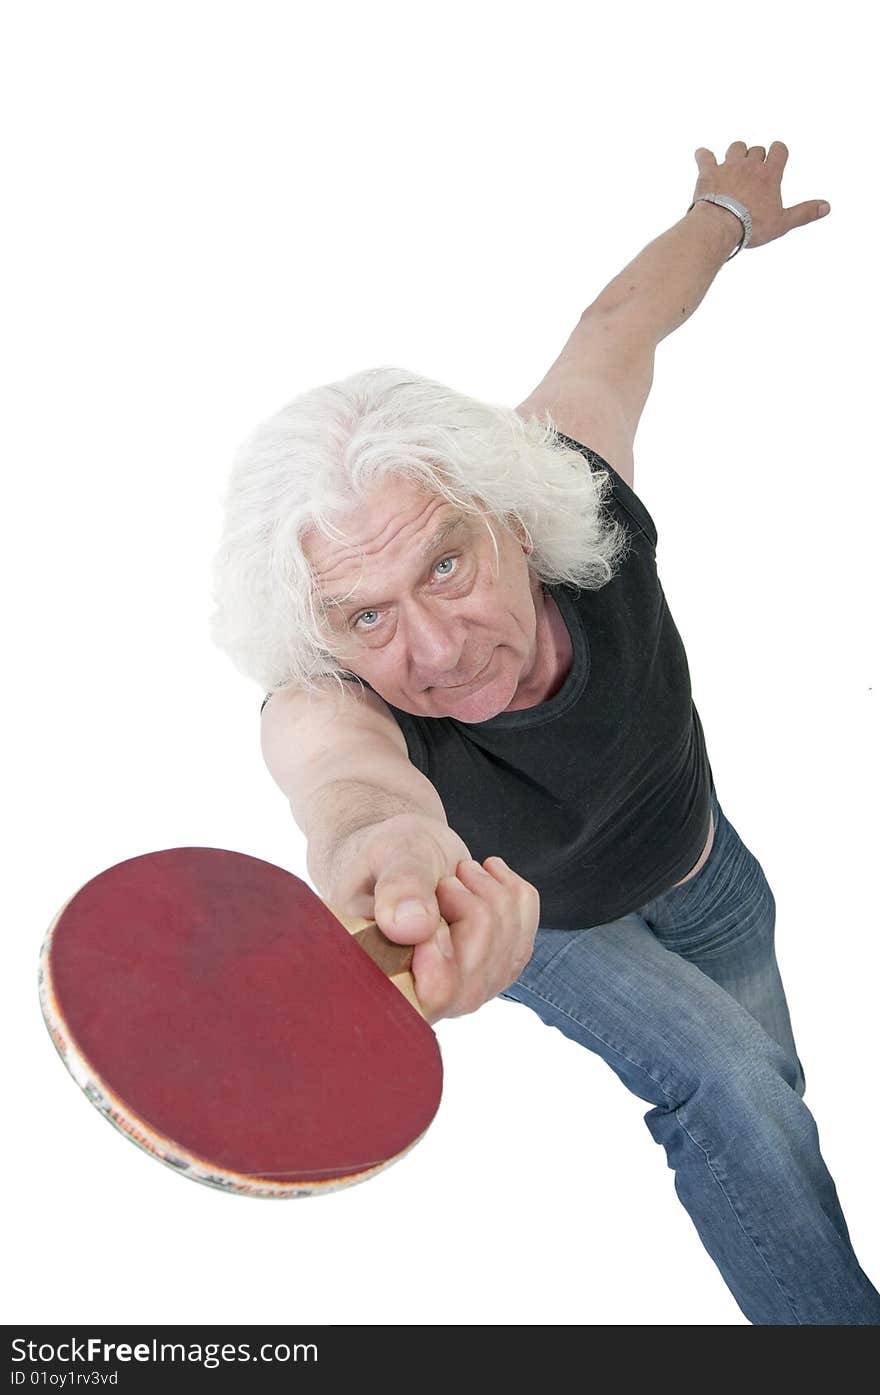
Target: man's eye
x,y
362,621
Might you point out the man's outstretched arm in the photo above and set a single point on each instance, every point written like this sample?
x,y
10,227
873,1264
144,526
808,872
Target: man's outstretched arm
x,y
596,389
664,284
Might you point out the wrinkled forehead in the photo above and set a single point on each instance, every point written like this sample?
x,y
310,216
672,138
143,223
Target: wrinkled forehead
x,y
358,522
399,512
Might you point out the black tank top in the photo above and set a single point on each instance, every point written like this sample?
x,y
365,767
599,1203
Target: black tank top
x,y
600,795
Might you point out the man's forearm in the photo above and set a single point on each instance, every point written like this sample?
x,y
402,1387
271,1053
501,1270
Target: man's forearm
x,y
344,816
664,284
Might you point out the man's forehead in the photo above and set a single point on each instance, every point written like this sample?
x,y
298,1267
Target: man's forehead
x,y
451,523
402,506
369,515
399,506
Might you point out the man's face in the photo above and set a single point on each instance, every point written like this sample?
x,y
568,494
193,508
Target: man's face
x,y
420,609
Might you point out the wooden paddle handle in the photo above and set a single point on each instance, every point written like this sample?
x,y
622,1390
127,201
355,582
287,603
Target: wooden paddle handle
x,y
393,959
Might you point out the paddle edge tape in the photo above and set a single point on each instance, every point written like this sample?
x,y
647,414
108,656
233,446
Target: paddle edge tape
x,y
157,1145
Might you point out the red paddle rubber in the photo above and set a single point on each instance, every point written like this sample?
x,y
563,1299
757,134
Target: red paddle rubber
x,y
215,1011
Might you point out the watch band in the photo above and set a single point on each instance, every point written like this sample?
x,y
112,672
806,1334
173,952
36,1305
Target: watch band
x,y
736,207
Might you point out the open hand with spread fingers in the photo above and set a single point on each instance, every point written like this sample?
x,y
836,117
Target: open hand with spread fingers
x,y
753,176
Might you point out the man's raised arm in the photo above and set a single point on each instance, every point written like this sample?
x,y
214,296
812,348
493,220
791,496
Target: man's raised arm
x,y
664,284
596,389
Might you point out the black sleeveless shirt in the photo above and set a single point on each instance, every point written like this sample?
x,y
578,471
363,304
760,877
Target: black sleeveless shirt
x,y
598,796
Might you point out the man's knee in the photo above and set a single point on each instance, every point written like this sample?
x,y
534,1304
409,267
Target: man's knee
x,y
751,1102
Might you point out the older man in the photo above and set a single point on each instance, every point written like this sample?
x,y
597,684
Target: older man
x,y
516,780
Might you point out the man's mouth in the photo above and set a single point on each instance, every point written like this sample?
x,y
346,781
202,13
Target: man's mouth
x,y
451,687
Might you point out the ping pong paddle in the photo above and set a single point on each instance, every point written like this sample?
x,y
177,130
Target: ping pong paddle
x,y
217,1012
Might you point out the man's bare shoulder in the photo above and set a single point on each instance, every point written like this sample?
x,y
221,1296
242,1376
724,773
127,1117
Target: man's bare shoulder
x,y
331,709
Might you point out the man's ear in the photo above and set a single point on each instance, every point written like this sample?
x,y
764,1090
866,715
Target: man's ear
x,y
519,531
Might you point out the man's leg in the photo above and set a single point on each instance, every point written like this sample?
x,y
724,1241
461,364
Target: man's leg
x,y
742,1144
723,921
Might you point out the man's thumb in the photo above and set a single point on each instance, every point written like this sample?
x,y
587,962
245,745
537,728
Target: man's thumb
x,y
405,911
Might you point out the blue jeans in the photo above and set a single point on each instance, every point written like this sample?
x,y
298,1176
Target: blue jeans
x,y
684,1001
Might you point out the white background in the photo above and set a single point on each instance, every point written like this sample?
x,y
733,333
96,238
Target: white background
x,y
210,208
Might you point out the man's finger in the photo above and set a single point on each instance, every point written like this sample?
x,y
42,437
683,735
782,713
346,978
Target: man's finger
x,y
436,978
499,868
457,901
479,878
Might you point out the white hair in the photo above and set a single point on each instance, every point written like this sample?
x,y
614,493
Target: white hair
x,y
313,461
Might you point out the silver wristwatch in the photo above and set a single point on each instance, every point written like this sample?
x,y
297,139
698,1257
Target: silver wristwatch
x,y
736,207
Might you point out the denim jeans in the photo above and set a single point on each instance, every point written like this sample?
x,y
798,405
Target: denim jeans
x,y
684,1001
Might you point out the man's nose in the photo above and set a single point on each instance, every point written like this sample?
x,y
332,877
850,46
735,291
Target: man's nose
x,y
434,640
